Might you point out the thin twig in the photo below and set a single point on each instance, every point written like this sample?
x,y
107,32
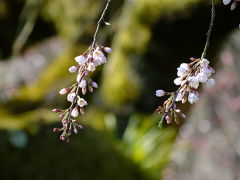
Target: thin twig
x,y
209,30
98,24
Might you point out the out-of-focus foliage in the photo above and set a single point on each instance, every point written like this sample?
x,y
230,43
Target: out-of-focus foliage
x,y
121,140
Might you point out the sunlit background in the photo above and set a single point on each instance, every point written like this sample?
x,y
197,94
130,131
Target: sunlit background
x,y
150,38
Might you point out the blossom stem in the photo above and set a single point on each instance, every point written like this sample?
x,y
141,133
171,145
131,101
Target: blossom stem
x,y
209,30
98,24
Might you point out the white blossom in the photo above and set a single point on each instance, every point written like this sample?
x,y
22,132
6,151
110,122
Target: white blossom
x,y
83,83
178,81
183,69
107,49
91,67
74,112
71,96
210,83
193,82
202,77
204,63
80,59
72,69
160,93
98,57
81,102
192,98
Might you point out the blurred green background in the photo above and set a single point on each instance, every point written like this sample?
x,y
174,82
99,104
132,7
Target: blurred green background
x,y
150,38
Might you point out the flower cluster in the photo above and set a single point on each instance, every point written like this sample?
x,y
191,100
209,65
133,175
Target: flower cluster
x,y
190,75
86,63
233,5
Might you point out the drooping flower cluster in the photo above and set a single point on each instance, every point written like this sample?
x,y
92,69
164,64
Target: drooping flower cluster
x,y
190,75
86,63
233,5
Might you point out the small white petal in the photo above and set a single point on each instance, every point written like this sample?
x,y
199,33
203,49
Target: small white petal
x,y
178,81
72,69
97,53
103,59
80,59
160,93
179,97
210,83
207,71
192,98
193,82
184,66
96,62
202,77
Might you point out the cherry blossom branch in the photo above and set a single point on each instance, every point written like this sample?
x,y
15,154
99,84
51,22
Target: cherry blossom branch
x,y
99,22
190,75
209,30
86,64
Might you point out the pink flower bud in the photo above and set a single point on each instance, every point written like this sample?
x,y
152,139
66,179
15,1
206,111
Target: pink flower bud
x,y
56,110
63,138
63,91
56,130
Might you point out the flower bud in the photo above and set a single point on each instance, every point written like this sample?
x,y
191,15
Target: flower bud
x,y
74,112
192,98
168,119
82,111
63,91
71,96
56,110
160,93
75,130
84,91
72,69
83,84
107,49
210,83
90,88
56,129
94,84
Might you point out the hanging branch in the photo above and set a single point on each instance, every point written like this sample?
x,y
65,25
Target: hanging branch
x,y
99,22
209,30
190,75
86,64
